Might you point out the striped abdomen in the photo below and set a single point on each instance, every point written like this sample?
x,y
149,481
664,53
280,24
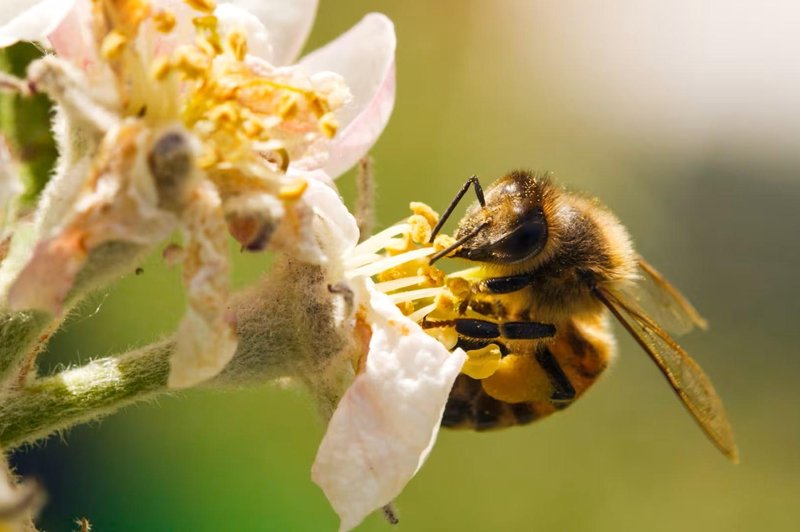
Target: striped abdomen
x,y
534,384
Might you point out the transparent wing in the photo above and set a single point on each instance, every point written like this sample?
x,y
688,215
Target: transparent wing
x,y
663,301
684,374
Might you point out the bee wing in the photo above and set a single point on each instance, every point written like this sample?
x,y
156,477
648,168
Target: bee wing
x,y
684,374
663,301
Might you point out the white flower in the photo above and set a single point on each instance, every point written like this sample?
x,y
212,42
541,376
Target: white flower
x,y
190,115
387,421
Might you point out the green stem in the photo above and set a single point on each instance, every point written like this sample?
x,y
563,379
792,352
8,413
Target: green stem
x,y
84,394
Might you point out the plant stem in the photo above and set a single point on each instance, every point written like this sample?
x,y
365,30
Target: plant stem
x,y
84,394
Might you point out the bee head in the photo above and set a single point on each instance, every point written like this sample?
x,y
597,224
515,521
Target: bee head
x,y
514,222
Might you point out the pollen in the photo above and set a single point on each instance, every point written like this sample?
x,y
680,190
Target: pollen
x,y
191,62
204,6
288,105
237,44
164,20
482,363
420,229
423,209
294,191
161,68
329,125
113,45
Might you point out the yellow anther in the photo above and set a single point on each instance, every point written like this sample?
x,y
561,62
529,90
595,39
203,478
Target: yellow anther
x,y
208,158
424,210
446,304
293,191
160,69
328,125
288,105
164,20
253,128
113,45
204,6
237,44
317,105
460,288
482,363
435,275
420,229
191,62
224,113
209,44
443,242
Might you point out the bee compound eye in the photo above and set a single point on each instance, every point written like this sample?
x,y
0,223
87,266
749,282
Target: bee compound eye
x,y
525,240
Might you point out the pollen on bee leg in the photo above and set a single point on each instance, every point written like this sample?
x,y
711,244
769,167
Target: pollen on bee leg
x,y
482,363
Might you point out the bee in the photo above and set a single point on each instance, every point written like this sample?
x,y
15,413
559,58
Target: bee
x,y
552,267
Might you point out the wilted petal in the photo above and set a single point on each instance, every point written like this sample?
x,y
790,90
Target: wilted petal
x,y
287,24
28,20
365,57
388,419
206,335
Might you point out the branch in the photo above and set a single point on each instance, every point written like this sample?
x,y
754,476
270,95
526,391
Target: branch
x,y
84,394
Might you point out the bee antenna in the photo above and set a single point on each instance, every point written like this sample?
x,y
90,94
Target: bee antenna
x,y
469,236
478,192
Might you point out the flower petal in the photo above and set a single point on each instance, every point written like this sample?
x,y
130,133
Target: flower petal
x,y
387,421
28,20
73,39
334,225
287,24
365,57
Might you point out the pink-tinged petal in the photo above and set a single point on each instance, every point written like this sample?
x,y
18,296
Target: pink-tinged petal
x,y
58,260
365,57
26,20
287,23
73,40
387,421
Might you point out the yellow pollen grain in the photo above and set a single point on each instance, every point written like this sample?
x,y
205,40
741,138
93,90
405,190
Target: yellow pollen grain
x,y
294,191
328,125
420,229
161,69
192,63
288,105
164,20
443,242
113,45
482,363
423,209
204,6
237,43
224,113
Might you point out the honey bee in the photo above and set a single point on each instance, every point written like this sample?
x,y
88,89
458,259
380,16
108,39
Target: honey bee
x,y
551,266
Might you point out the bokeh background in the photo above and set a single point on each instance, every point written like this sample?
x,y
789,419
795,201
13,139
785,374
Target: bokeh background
x,y
684,117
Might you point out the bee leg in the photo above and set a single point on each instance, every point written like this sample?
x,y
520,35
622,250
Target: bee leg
x,y
478,192
563,391
505,285
513,330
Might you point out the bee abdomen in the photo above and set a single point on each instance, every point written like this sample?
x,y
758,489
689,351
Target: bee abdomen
x,y
470,407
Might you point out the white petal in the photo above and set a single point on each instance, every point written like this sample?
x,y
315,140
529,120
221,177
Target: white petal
x,y
287,24
334,224
388,419
365,57
28,20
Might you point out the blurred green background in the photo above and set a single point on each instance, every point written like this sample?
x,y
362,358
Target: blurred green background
x,y
684,118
